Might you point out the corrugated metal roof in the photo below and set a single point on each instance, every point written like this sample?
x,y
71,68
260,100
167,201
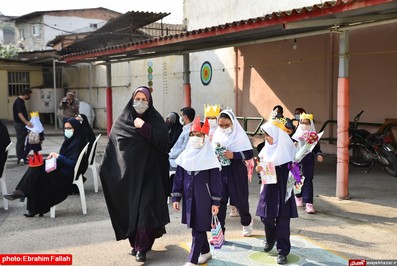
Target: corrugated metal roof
x,y
122,29
318,17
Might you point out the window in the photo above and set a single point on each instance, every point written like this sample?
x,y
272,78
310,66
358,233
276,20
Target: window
x,y
22,34
17,81
94,26
36,29
48,77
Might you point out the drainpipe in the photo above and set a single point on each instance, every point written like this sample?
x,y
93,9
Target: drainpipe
x,y
343,114
186,81
109,102
236,82
90,80
54,74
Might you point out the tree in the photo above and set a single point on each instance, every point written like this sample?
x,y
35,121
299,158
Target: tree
x,y
8,51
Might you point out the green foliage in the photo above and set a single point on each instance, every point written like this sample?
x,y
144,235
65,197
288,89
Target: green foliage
x,y
8,52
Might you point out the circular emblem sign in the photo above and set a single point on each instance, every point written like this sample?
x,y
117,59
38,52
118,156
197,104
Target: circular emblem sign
x,y
206,73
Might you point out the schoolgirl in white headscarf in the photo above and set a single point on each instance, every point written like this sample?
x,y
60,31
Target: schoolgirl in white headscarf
x,y
231,136
274,211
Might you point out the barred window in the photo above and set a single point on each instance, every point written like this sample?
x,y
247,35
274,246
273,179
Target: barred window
x,y
17,81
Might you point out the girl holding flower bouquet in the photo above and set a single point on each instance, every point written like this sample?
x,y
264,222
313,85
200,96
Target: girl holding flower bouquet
x,y
274,211
303,133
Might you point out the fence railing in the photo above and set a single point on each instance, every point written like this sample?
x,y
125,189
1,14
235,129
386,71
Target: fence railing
x,y
245,120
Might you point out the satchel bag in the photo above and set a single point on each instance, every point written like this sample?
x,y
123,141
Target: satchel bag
x,y
216,232
33,137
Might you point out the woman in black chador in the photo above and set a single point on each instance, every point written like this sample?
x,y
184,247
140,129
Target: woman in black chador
x,y
134,174
44,190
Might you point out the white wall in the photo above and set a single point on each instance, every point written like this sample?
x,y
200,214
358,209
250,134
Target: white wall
x,y
126,77
221,88
201,14
65,25
50,27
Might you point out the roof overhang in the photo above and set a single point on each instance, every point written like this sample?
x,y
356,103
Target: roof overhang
x,y
318,19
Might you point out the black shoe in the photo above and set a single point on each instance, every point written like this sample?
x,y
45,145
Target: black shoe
x,y
133,252
268,247
281,259
140,256
33,214
17,194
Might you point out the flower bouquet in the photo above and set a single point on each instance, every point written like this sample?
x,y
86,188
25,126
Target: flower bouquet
x,y
219,151
306,143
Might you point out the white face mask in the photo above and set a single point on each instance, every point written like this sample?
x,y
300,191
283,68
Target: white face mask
x,y
140,106
196,142
298,117
68,133
182,120
226,131
305,127
213,123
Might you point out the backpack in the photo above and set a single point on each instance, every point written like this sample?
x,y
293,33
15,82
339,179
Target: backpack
x,y
33,137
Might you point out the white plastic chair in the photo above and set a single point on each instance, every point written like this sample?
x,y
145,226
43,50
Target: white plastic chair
x,y
78,180
3,179
171,172
92,165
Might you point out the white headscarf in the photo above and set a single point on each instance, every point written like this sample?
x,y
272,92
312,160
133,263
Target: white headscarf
x,y
37,126
192,159
281,151
299,131
237,140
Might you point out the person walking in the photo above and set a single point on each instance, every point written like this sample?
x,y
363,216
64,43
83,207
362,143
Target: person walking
x,y
134,174
21,121
70,106
305,197
186,118
234,147
274,211
174,129
198,184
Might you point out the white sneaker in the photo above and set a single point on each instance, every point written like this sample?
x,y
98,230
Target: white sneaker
x,y
233,211
247,230
189,264
204,257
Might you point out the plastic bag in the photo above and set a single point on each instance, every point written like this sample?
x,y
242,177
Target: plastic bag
x,y
216,232
50,164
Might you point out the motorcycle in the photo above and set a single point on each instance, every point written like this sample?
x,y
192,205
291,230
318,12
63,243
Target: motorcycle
x,y
367,149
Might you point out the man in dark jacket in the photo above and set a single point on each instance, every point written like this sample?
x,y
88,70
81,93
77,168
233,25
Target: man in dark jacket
x,y
21,121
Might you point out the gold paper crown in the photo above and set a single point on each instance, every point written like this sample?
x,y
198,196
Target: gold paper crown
x,y
32,114
212,110
306,116
279,122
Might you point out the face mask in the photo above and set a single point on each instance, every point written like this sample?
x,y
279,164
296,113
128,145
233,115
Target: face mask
x,y
182,120
68,133
196,142
297,117
305,127
227,131
140,106
213,123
